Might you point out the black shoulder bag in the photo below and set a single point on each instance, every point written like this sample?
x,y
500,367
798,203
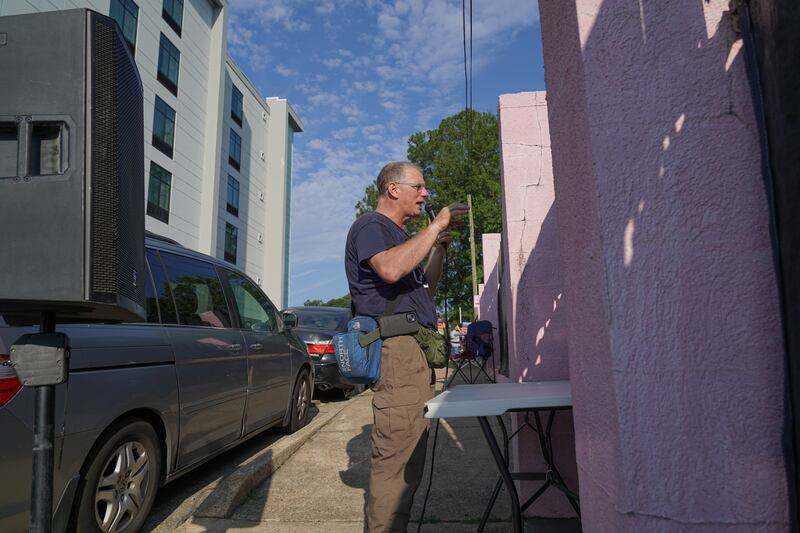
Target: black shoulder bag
x,y
391,324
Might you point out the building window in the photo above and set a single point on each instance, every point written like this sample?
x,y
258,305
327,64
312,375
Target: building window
x,y
169,59
233,196
158,193
163,127
126,13
236,105
172,12
231,237
235,151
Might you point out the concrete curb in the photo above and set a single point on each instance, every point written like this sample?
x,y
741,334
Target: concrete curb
x,y
235,488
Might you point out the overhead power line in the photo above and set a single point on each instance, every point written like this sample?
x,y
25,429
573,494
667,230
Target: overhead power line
x,y
468,112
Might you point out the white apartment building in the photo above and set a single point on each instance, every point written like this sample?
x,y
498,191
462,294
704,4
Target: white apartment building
x,y
217,154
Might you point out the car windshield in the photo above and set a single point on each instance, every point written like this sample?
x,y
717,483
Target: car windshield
x,y
321,319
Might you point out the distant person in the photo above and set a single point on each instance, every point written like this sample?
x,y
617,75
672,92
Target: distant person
x,y
455,339
382,261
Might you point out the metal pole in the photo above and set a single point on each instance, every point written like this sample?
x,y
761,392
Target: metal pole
x,y
44,412
472,248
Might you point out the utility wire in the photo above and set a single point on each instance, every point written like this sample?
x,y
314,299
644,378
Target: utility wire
x,y
466,89
471,114
467,140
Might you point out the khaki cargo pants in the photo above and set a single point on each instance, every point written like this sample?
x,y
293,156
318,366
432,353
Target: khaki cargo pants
x,y
399,434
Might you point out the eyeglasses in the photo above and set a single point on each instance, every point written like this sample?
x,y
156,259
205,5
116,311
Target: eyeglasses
x,y
417,186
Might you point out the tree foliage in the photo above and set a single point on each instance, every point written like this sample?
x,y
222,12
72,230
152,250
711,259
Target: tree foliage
x,y
341,301
454,167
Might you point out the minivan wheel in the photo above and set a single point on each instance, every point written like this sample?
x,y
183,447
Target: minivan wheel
x,y
301,401
120,484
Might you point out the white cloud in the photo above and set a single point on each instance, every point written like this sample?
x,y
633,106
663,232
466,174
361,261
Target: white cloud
x,y
391,105
325,8
323,97
323,206
426,40
318,144
243,45
270,12
345,133
353,112
285,71
373,132
332,62
365,86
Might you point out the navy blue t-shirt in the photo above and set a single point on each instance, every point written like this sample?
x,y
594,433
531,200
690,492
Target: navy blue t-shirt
x,y
371,234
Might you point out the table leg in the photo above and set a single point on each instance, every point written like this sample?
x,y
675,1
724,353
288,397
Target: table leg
x,y
502,466
496,490
488,510
553,475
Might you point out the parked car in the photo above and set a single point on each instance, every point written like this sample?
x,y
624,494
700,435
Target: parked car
x,y
316,326
214,364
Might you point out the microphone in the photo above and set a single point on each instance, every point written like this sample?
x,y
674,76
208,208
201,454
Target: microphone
x,y
429,210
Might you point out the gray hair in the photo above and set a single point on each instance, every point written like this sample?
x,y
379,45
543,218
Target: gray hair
x,y
393,172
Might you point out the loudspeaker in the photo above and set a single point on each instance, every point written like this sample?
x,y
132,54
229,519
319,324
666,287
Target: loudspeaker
x,y
71,168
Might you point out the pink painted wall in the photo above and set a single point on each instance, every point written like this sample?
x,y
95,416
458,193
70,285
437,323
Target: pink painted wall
x,y
489,294
673,327
533,304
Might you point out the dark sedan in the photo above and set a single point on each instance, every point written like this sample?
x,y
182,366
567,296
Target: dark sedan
x,y
316,326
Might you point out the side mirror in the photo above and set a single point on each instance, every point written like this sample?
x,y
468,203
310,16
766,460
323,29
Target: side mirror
x,y
289,320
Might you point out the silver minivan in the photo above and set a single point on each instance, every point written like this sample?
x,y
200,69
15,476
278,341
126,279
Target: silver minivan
x,y
214,364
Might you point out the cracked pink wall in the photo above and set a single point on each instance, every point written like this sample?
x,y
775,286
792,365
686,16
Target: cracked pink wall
x,y
673,327
533,306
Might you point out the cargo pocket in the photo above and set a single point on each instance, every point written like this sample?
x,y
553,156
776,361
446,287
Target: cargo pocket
x,y
394,404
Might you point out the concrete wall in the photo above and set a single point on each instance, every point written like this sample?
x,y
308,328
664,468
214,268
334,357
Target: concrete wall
x,y
673,328
534,311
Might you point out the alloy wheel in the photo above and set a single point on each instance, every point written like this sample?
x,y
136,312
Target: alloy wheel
x,y
302,399
122,487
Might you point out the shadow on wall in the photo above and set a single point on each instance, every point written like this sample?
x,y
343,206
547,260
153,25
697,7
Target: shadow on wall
x,y
672,303
541,341
490,310
540,334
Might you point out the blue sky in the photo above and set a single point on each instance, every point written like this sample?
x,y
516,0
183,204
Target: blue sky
x,y
364,75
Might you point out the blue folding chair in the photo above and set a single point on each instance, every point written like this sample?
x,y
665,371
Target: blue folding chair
x,y
476,350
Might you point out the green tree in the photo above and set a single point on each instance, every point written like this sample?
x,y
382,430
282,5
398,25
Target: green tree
x,y
460,157
341,301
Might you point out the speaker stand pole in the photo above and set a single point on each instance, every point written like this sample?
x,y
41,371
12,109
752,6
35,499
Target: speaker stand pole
x,y
43,422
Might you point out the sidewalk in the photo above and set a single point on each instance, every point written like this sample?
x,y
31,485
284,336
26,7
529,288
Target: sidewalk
x,y
322,485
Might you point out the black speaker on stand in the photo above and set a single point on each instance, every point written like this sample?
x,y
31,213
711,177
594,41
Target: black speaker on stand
x,y
71,198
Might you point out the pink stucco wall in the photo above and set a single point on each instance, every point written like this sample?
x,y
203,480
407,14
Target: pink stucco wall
x,y
490,245
673,326
533,303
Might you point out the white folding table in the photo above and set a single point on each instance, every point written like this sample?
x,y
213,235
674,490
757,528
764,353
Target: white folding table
x,y
495,399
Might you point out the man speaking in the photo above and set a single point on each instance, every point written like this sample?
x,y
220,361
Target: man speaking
x,y
383,264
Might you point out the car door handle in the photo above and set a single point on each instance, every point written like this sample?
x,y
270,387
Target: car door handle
x,y
256,347
235,347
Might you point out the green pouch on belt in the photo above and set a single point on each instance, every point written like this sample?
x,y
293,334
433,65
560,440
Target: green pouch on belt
x,y
433,345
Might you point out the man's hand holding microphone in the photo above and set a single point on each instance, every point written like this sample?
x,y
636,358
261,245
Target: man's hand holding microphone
x,y
446,220
443,222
